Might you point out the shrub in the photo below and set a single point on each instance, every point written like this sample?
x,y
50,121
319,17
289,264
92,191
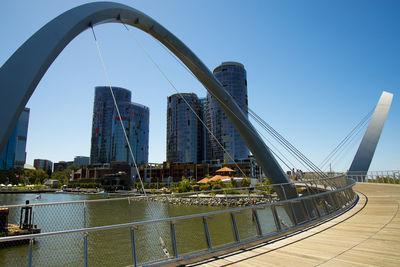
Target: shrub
x,y
205,187
245,182
196,187
216,186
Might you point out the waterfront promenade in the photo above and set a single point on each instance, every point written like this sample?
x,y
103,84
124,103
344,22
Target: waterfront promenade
x,y
368,234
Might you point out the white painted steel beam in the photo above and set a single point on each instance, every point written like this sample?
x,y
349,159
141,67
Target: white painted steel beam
x,y
362,159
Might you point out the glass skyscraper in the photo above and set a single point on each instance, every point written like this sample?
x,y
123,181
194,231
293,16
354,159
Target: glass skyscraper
x,y
184,130
135,118
108,140
14,153
232,76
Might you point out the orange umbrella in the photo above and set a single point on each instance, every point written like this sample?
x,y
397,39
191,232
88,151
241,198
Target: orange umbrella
x,y
203,181
225,169
218,177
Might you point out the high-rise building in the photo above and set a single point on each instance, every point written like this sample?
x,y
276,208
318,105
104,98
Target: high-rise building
x,y
102,125
108,139
184,130
205,138
135,118
43,164
14,153
232,76
81,161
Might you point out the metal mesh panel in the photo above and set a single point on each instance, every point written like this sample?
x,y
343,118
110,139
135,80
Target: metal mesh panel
x,y
14,254
148,245
267,222
190,236
283,217
51,218
321,205
246,224
220,228
63,250
299,211
102,247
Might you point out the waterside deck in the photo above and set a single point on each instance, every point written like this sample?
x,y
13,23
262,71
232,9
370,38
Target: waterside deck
x,y
368,234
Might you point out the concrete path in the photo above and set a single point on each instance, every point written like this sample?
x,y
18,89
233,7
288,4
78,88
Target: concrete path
x,y
368,234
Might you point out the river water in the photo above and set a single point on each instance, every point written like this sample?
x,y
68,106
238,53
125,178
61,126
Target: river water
x,y
114,247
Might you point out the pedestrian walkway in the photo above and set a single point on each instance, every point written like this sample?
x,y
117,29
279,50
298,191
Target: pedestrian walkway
x,y
368,234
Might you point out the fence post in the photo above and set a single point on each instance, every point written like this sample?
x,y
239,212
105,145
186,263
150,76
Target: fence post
x,y
84,214
173,238
313,201
235,229
30,252
133,228
207,233
276,219
256,219
85,248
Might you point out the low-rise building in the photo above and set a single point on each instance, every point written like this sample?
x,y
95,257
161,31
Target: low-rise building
x,y
173,172
62,165
113,176
81,161
43,164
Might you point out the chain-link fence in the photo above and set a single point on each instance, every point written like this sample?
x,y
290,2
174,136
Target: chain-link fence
x,y
140,231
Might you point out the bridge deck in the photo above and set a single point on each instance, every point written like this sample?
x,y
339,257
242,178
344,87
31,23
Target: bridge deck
x,y
368,234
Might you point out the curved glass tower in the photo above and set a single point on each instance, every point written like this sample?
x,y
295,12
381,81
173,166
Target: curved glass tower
x,y
232,76
135,118
184,130
108,141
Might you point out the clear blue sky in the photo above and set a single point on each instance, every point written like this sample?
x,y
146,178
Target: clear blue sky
x,y
314,69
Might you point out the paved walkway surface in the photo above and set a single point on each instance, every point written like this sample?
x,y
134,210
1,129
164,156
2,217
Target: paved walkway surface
x,y
368,234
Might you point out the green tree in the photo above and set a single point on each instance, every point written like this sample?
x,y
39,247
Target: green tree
x,y
233,183
73,168
246,182
61,176
36,176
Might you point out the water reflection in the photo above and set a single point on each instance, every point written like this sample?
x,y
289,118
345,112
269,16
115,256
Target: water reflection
x,y
114,247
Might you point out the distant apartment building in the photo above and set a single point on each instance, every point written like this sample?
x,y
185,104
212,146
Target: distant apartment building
x,y
62,165
13,155
43,164
184,129
117,175
108,141
173,172
232,76
81,160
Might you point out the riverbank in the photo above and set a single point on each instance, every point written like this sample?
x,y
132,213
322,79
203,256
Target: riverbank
x,y
27,191
217,200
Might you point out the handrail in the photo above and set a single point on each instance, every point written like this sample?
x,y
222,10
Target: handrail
x,y
90,229
269,221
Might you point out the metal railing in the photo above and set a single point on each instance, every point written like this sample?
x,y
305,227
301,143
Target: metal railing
x,y
80,240
383,177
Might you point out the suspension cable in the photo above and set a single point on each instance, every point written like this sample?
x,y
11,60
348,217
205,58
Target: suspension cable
x,y
286,144
346,139
117,108
162,243
183,98
350,143
294,152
